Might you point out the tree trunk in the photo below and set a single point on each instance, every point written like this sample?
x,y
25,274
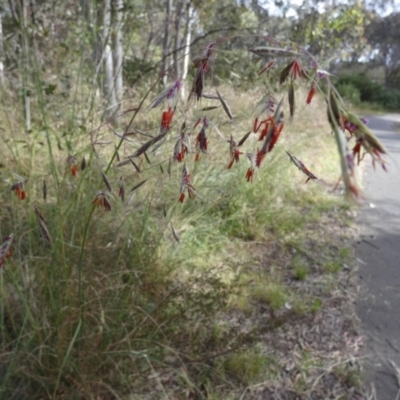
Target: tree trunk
x,y
109,90
26,69
178,19
188,37
118,54
85,5
1,52
108,86
166,39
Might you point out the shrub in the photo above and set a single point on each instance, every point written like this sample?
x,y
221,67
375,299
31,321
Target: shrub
x,y
369,91
360,87
350,92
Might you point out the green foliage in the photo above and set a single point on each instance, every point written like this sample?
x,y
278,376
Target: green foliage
x,y
237,71
350,92
135,68
369,91
338,32
361,86
393,78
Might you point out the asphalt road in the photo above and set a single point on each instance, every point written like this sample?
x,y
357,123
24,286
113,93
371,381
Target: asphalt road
x,y
378,253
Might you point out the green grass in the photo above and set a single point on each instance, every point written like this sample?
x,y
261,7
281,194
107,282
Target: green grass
x,y
300,269
332,267
248,366
271,293
301,272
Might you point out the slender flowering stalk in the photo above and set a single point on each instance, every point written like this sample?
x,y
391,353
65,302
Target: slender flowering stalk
x,y
267,124
256,126
365,139
44,190
203,66
201,143
71,160
106,181
260,157
311,94
186,185
315,75
166,119
42,226
346,158
301,167
265,105
101,200
201,139
268,66
357,151
250,171
121,192
293,71
225,106
5,249
18,189
204,60
335,112
349,126
234,152
291,98
296,71
181,147
274,129
270,133
277,129
83,164
170,95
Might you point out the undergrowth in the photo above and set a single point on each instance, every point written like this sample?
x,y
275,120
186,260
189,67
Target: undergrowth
x,y
114,287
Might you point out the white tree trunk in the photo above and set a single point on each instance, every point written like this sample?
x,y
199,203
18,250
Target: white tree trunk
x,y
186,58
108,86
1,52
25,45
109,89
118,54
178,21
166,39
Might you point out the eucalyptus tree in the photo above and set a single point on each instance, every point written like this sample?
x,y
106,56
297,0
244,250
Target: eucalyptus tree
x,y
383,34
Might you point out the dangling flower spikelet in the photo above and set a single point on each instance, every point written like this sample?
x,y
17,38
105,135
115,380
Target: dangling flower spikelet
x,y
5,249
71,160
101,201
18,189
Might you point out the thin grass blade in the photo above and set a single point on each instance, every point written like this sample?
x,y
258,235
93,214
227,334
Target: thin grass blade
x,y
225,105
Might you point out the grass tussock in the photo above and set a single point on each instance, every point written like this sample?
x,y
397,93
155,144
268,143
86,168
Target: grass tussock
x,y
150,297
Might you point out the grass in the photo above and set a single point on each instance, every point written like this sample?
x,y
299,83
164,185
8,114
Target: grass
x,y
300,269
332,267
247,366
156,297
